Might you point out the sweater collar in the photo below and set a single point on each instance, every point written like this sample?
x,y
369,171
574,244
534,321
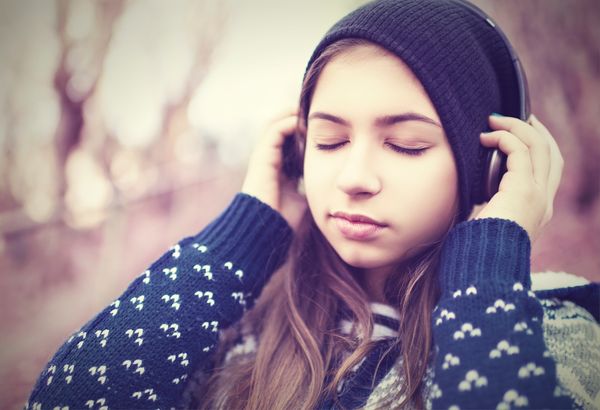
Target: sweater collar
x,y
386,321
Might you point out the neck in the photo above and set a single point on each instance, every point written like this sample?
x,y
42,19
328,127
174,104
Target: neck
x,y
373,281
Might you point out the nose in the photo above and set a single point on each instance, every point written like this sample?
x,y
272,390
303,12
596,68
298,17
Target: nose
x,y
358,175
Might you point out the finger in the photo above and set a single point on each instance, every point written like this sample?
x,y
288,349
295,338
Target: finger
x,y
539,148
537,124
276,123
272,121
287,112
279,130
518,157
556,161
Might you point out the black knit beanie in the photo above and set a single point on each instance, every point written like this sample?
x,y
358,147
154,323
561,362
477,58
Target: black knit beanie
x,y
461,61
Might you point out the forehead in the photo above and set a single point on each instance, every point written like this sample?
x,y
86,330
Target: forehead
x,y
369,79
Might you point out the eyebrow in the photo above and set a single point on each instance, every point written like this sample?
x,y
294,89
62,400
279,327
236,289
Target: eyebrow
x,y
380,122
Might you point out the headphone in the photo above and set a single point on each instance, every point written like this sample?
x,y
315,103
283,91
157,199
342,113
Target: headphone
x,y
495,166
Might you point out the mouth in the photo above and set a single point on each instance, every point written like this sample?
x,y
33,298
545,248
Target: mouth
x,y
357,227
358,218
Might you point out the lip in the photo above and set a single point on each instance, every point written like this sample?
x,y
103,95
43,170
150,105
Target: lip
x,y
358,218
357,227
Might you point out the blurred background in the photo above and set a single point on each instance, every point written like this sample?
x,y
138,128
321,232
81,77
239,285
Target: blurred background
x,y
127,125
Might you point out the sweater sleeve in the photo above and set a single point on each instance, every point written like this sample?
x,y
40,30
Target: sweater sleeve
x,y
487,326
572,336
140,350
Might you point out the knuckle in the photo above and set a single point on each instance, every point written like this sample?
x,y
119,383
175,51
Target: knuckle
x,y
522,150
521,127
532,193
504,134
547,148
549,213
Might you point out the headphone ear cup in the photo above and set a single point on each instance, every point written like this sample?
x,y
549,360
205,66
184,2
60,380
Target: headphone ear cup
x,y
292,157
495,168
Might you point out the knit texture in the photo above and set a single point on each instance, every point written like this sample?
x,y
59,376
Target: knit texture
x,y
142,350
139,351
578,362
461,61
570,333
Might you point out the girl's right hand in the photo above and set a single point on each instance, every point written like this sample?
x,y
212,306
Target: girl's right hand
x,y
265,178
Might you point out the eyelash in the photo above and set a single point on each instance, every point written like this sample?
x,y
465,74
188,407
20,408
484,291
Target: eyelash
x,y
407,151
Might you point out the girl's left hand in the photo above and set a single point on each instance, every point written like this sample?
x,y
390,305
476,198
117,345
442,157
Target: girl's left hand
x,y
534,170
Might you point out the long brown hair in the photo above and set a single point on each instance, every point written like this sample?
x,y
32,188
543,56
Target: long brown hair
x,y
300,345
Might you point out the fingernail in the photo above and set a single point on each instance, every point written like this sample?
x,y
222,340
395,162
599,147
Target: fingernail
x,y
495,114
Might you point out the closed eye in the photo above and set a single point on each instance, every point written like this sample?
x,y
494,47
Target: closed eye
x,y
406,151
329,147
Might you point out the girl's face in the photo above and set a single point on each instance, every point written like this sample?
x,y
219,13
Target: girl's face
x,y
368,107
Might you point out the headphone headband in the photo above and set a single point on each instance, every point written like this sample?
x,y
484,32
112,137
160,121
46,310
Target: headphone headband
x,y
524,101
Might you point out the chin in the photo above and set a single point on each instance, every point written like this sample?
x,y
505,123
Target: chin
x,y
362,260
360,264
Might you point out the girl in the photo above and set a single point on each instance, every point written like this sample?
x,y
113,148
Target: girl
x,y
381,292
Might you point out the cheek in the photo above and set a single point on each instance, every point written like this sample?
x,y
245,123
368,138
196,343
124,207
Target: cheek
x,y
317,176
425,194
313,185
436,177
438,194
447,186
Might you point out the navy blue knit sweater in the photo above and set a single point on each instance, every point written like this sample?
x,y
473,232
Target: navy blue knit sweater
x,y
140,351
